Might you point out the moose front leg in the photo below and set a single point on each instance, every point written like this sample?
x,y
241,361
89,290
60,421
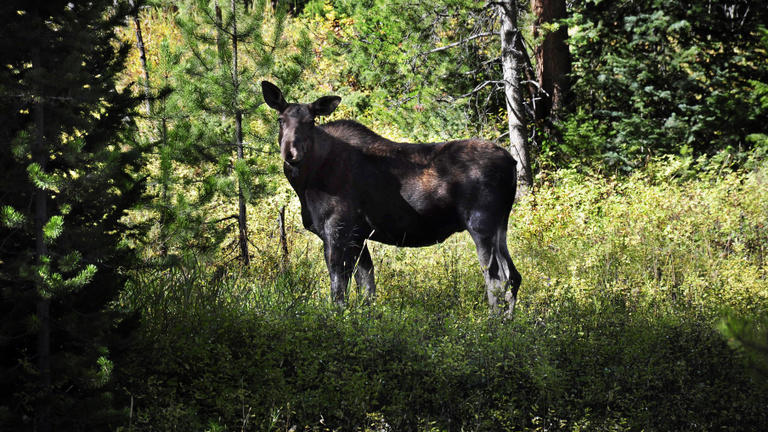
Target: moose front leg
x,y
341,263
346,254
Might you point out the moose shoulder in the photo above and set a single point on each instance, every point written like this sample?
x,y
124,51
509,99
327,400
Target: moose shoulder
x,y
355,185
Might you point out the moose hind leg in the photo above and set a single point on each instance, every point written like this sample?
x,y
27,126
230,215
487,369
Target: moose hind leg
x,y
494,284
364,273
512,275
501,277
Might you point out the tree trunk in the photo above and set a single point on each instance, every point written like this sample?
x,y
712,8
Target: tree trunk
x,y
242,222
220,43
241,218
40,157
165,201
143,57
512,89
553,59
219,31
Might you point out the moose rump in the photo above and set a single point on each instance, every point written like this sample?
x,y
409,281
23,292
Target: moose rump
x,y
355,185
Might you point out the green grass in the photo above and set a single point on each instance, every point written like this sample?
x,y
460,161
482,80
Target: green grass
x,y
625,285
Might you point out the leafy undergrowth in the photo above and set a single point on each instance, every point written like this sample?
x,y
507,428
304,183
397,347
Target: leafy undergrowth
x,y
626,283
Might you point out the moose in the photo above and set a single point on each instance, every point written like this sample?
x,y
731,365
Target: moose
x,y
354,185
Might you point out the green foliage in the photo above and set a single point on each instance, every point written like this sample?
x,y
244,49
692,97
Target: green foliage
x,y
751,336
201,94
665,241
41,179
669,78
67,177
52,229
626,278
10,217
388,73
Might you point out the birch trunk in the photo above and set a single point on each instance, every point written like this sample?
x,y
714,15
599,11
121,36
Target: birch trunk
x,y
518,145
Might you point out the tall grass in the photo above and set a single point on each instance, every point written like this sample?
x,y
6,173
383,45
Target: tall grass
x,y
625,282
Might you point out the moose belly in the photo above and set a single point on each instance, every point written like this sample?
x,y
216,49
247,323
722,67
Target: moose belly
x,y
412,215
413,230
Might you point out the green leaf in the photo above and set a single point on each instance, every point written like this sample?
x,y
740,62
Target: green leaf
x,y
49,279
679,26
105,370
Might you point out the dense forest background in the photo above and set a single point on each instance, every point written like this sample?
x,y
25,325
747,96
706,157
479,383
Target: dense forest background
x,y
155,275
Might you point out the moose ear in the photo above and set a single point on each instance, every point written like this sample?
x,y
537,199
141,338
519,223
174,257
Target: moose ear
x,y
324,106
273,96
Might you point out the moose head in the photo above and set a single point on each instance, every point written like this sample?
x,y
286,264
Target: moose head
x,y
296,121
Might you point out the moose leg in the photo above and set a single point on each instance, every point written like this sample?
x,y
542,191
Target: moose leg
x,y
514,278
502,279
364,273
340,266
489,263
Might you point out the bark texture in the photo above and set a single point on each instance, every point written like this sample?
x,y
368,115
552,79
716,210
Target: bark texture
x,y
143,57
553,59
510,64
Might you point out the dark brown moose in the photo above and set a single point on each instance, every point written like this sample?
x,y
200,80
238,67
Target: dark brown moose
x,y
355,185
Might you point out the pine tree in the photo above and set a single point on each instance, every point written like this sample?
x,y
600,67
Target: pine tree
x,y
185,225
66,180
233,46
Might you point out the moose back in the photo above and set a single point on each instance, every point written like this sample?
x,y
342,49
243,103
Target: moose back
x,y
355,185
